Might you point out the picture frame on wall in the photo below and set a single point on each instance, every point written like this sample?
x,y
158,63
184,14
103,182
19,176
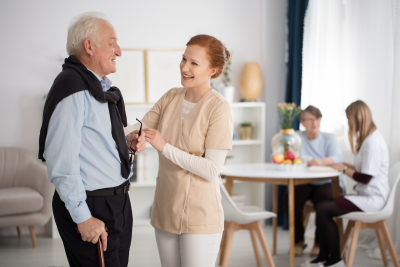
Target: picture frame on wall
x,y
162,72
130,76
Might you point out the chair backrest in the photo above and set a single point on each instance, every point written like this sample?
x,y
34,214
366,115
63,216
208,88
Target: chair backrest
x,y
394,177
13,161
231,211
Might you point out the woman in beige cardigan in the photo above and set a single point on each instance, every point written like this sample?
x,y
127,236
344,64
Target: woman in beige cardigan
x,y
191,127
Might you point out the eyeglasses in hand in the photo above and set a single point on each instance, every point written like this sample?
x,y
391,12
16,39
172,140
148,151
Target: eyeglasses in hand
x,y
131,149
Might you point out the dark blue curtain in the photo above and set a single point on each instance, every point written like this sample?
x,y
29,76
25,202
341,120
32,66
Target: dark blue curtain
x,y
295,17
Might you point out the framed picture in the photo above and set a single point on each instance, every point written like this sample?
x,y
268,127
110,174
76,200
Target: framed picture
x,y
130,76
162,71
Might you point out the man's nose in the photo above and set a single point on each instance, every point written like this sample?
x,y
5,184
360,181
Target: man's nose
x,y
118,51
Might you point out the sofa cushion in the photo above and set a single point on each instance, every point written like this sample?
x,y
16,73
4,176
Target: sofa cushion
x,y
17,200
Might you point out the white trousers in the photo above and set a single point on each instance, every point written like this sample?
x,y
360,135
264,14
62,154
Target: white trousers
x,y
187,250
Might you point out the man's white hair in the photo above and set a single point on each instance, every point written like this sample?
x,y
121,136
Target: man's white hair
x,y
82,27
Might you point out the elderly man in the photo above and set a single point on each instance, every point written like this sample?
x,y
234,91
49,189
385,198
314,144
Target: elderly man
x,y
82,140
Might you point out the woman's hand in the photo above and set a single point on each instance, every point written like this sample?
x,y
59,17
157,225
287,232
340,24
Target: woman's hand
x,y
314,162
155,139
339,166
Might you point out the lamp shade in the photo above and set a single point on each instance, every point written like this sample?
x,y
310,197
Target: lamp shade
x,y
251,81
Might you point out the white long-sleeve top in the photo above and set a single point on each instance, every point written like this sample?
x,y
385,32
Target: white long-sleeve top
x,y
208,167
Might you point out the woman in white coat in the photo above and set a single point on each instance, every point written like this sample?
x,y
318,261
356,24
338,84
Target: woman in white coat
x,y
370,170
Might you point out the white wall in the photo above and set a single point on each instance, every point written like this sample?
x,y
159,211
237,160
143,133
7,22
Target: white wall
x,y
34,36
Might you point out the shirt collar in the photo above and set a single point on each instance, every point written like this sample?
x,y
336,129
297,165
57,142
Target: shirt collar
x,y
105,82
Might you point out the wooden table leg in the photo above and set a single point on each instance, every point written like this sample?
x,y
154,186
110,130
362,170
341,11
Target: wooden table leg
x,y
229,185
291,221
275,219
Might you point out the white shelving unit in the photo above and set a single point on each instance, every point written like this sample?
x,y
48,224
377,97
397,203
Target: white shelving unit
x,y
243,151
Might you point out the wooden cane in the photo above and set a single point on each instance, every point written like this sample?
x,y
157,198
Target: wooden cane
x,y
100,251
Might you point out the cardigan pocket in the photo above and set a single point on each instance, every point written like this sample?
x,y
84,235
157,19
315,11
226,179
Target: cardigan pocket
x,y
203,202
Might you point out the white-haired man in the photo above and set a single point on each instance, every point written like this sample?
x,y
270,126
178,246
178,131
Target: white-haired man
x,y
83,142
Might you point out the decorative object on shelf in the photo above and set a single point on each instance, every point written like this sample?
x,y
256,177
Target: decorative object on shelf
x,y
246,131
251,81
286,144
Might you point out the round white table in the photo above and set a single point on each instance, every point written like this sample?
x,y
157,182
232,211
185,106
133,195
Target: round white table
x,y
272,174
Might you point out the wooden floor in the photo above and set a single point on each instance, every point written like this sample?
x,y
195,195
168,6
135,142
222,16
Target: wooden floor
x,y
50,252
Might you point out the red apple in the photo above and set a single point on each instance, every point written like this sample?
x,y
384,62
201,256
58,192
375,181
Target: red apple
x,y
287,161
278,158
289,155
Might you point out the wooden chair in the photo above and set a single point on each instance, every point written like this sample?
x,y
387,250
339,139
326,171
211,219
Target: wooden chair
x,y
246,218
374,220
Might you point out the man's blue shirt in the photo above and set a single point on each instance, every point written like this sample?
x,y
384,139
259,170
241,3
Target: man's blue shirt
x,y
80,151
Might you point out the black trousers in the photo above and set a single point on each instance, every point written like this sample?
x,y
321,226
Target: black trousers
x,y
115,212
302,193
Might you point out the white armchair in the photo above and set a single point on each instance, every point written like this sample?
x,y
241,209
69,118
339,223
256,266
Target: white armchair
x,y
25,191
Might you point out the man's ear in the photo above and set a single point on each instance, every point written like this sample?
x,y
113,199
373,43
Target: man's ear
x,y
88,45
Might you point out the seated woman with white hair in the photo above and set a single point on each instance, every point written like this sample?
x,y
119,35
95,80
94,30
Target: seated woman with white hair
x,y
325,151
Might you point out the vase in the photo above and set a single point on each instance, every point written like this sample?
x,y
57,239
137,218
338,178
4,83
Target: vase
x,y
251,81
246,132
286,140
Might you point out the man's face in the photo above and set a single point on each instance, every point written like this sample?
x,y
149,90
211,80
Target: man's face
x,y
104,57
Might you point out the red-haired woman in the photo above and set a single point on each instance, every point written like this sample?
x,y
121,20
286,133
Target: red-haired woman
x,y
191,127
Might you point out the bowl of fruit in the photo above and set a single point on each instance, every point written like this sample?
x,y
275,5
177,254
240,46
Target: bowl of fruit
x,y
288,162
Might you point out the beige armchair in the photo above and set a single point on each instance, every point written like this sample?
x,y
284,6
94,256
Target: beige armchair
x,y
25,191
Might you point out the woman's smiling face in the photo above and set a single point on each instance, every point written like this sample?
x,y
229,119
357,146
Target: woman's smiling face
x,y
195,67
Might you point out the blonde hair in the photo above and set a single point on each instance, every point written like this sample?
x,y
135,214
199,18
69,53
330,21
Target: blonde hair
x,y
82,27
361,124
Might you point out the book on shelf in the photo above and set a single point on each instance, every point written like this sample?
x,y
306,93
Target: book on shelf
x,y
321,169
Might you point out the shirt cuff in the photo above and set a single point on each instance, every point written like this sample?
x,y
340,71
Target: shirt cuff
x,y
81,213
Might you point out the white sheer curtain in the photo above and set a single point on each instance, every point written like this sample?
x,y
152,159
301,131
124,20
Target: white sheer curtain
x,y
351,51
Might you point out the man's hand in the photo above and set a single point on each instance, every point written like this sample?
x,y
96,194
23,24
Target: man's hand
x,y
90,231
136,142
314,162
155,139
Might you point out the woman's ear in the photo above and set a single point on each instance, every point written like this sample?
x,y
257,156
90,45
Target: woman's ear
x,y
213,71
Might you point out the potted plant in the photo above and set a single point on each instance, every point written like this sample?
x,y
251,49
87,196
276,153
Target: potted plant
x,y
246,131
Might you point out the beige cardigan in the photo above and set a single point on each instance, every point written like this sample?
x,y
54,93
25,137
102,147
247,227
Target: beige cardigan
x,y
185,202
